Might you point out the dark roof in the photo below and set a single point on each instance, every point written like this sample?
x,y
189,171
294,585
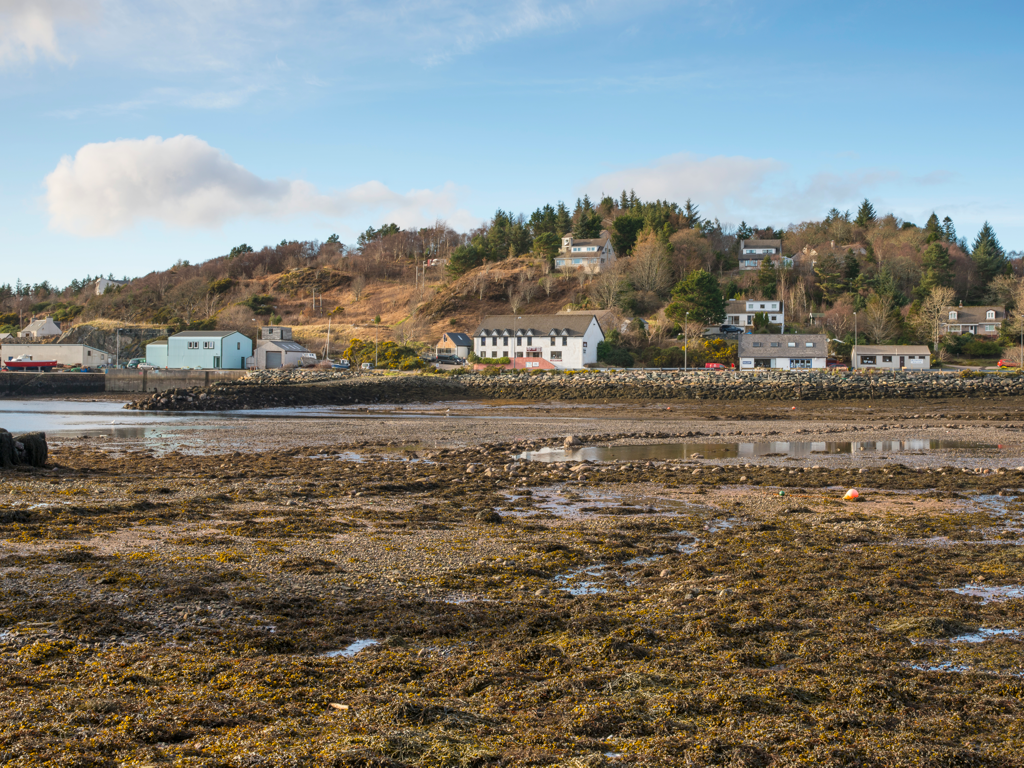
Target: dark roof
x,y
284,346
205,334
971,315
747,348
460,339
760,244
536,325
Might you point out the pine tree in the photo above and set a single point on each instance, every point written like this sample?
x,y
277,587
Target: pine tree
x,y
767,278
744,232
933,228
634,201
700,295
624,201
691,215
937,269
987,237
949,231
563,220
866,214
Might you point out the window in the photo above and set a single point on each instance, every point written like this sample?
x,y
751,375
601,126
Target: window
x,y
88,352
795,363
886,358
775,344
494,341
556,355
519,341
867,359
207,345
504,341
584,345
565,341
952,315
762,362
494,354
577,261
990,315
529,341
990,327
791,344
193,345
757,343
239,345
808,343
762,306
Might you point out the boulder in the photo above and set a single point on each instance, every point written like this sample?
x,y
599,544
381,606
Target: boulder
x,y
35,448
29,449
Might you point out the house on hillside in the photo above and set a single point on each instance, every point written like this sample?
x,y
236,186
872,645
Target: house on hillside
x,y
590,256
980,321
913,357
608,319
741,311
753,252
797,351
102,284
454,345
276,348
40,329
566,341
201,349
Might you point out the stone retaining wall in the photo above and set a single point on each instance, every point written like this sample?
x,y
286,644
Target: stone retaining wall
x,y
275,389
18,384
159,380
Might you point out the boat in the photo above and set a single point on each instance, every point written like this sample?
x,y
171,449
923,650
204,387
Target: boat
x,y
26,363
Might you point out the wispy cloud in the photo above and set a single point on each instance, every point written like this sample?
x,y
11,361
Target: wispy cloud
x,y
183,182
28,28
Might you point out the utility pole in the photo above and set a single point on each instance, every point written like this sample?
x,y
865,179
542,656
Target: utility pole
x,y
118,364
686,341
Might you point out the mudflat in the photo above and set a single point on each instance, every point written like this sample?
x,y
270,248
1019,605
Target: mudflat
x,y
399,586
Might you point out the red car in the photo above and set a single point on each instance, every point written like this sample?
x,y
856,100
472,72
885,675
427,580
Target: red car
x,y
715,366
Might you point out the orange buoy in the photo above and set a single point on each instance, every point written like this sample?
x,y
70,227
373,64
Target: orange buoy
x,y
851,495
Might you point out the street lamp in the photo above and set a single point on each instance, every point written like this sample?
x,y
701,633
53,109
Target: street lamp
x,y
686,341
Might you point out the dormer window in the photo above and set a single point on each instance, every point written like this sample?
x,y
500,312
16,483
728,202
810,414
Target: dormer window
x,y
990,315
952,315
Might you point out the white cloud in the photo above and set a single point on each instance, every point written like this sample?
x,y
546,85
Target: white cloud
x,y
184,182
28,27
719,184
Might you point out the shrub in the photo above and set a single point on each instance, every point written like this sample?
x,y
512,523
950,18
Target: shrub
x,y
613,355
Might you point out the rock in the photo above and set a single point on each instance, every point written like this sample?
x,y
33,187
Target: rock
x,y
696,455
489,516
35,448
542,592
572,441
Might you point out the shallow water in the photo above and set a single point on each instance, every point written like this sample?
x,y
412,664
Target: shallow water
x,y
662,451
351,649
992,594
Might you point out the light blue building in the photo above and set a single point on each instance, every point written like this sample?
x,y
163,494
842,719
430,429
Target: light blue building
x,y
201,349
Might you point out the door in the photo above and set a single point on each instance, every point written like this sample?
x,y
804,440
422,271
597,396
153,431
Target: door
x,y
903,361
216,362
273,359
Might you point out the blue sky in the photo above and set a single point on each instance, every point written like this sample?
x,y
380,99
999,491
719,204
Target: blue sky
x,y
140,132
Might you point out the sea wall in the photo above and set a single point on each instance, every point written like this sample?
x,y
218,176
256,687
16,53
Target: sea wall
x,y
19,384
268,389
159,380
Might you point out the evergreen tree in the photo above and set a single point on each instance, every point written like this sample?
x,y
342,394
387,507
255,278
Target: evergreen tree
x,y
563,221
700,295
989,260
767,278
866,214
744,232
933,228
830,277
851,267
987,236
691,215
624,201
588,225
544,220
465,258
937,269
624,232
634,201
949,231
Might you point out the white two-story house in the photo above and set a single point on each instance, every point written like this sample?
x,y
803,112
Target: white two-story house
x,y
753,252
588,255
741,312
565,341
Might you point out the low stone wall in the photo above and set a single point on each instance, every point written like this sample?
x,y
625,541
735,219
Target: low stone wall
x,y
160,380
18,384
343,388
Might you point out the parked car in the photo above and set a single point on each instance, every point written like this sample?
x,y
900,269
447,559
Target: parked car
x,y
135,362
715,366
367,366
731,330
144,366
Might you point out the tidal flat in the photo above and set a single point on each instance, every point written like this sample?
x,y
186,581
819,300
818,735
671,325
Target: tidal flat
x,y
399,587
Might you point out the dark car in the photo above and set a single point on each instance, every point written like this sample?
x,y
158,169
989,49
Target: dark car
x,y
730,330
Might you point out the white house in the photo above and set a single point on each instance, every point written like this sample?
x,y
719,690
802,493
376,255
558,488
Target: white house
x,y
63,354
795,351
276,348
980,321
455,344
913,357
753,252
741,312
591,255
40,329
201,349
566,341
102,284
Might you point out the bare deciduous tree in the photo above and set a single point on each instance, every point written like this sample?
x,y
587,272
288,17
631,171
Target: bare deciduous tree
x,y
838,321
933,312
358,286
879,322
648,267
606,288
